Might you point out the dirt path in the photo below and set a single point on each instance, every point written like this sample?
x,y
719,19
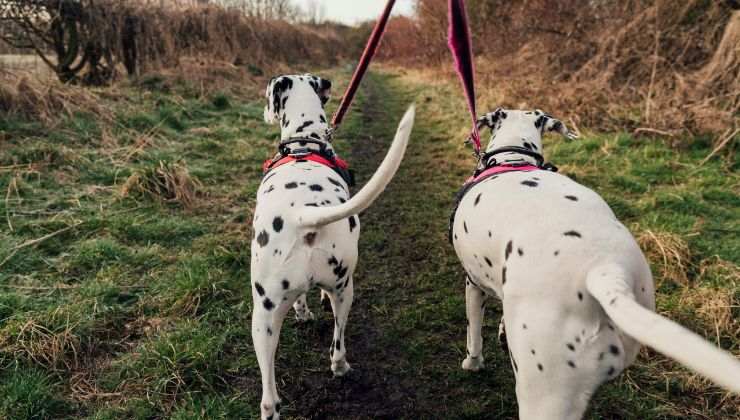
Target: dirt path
x,y
407,325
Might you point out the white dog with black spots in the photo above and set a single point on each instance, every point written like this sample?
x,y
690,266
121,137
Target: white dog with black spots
x,y
578,295
306,227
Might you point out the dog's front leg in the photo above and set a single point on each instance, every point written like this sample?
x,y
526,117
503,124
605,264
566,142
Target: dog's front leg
x,y
475,301
267,320
341,302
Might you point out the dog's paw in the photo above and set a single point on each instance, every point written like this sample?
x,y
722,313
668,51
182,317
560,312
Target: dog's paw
x,y
340,368
304,316
270,411
473,364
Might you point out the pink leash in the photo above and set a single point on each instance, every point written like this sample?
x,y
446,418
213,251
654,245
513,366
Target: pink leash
x,y
461,46
367,56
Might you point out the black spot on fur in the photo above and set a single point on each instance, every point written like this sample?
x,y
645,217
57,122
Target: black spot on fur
x,y
465,226
572,233
263,238
614,350
611,371
269,331
527,146
333,260
341,200
277,224
477,199
267,303
571,364
520,252
490,234
530,183
310,238
571,347
488,261
571,197
503,275
322,118
539,366
316,187
556,253
260,290
509,248
286,284
335,182
311,205
291,185
580,296
352,223
539,122
533,352
304,126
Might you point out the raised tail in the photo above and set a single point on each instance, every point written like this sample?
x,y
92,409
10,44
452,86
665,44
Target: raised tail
x,y
320,216
608,285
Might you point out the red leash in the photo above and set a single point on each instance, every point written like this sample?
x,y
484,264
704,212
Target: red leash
x,y
367,56
461,46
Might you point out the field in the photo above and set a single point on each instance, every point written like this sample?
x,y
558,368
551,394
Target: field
x,y
124,249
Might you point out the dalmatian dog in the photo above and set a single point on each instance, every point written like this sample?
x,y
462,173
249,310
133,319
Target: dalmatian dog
x,y
577,293
306,226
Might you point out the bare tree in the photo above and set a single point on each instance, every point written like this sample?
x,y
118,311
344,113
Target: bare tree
x,y
314,13
63,33
264,9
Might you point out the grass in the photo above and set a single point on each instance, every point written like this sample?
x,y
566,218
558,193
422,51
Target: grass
x,y
134,301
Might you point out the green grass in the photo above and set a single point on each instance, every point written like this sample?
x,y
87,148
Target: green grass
x,y
138,307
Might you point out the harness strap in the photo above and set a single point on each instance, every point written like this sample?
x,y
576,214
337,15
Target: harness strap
x,y
323,156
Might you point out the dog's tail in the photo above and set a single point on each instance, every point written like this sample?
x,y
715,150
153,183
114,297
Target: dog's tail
x,y
608,285
320,216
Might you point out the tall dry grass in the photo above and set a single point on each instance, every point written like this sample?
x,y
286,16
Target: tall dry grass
x,y
654,67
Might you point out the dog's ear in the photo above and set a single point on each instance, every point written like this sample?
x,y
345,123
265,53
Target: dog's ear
x,y
491,119
276,89
322,87
546,123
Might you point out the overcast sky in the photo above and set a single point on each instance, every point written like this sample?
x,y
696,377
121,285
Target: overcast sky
x,y
353,11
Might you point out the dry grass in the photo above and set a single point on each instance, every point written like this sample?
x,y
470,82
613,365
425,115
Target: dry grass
x,y
652,67
168,182
669,252
45,101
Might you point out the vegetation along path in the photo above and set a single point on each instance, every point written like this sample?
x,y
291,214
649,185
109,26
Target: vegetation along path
x,y
124,278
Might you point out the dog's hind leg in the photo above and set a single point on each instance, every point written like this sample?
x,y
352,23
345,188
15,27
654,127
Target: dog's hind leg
x,y
341,302
302,313
267,320
475,301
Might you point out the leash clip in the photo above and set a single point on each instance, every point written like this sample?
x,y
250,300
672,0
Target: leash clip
x,y
476,153
330,134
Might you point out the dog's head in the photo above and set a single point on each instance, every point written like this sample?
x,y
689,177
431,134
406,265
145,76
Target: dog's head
x,y
521,128
309,90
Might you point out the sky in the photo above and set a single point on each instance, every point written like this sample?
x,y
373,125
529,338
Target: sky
x,y
354,11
